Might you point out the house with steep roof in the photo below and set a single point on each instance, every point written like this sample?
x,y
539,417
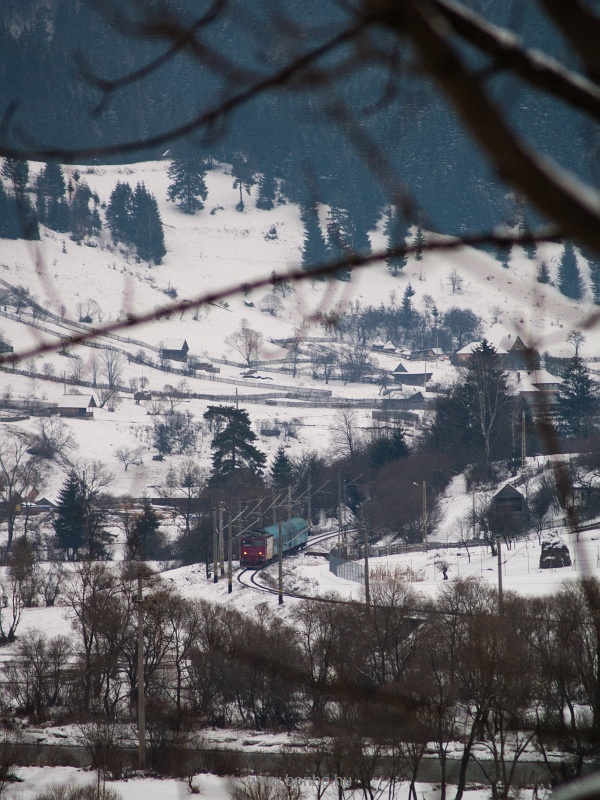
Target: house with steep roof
x,y
412,374
174,350
78,406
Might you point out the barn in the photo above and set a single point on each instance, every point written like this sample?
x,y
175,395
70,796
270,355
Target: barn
x,y
79,406
174,350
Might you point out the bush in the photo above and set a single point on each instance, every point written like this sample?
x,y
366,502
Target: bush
x,y
91,791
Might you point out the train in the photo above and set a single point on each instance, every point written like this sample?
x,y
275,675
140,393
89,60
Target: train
x,y
260,548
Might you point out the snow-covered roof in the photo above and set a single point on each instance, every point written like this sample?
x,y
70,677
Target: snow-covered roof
x,y
534,380
411,368
76,401
174,344
388,346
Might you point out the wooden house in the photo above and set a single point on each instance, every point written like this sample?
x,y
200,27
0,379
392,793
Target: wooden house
x,y
508,501
462,357
538,388
79,406
411,374
427,354
519,355
174,350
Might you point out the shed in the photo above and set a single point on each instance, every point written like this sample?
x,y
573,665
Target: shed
x,y
411,374
174,350
77,405
508,501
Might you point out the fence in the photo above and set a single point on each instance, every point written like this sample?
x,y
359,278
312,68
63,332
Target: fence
x,y
344,568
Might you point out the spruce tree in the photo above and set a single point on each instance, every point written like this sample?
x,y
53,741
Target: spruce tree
x,y
70,517
243,172
569,277
267,190
543,273
388,448
396,232
281,470
148,236
85,220
314,249
577,399
234,454
188,185
16,171
49,193
418,243
594,266
119,213
9,221
407,307
142,535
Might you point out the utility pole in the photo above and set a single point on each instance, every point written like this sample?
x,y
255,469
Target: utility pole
x,y
221,543
500,593
523,443
425,514
367,586
215,549
141,678
339,507
280,559
289,501
229,557
309,509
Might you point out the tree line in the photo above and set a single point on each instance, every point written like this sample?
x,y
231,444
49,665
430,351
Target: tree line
x,y
379,685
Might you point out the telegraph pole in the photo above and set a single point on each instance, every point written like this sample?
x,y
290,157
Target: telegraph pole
x,y
367,585
229,557
141,678
500,592
215,549
425,514
309,509
523,443
289,501
280,559
339,507
221,543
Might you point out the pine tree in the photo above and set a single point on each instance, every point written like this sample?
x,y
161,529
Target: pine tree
x,y
314,249
388,448
594,266
9,221
543,273
418,243
503,255
50,205
16,171
142,536
407,307
340,239
577,399
119,213
243,171
85,220
281,470
70,517
234,454
396,232
483,399
267,190
148,236
188,185
569,277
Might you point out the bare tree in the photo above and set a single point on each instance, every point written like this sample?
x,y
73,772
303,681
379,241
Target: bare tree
x,y
112,368
52,439
20,475
130,456
345,434
246,342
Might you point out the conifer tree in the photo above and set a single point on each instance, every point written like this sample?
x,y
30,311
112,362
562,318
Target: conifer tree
x,y
234,454
142,535
314,249
281,470
70,517
594,266
148,236
396,232
418,243
9,222
267,190
388,448
16,172
119,213
51,205
577,399
569,277
188,185
85,219
243,172
543,273
407,307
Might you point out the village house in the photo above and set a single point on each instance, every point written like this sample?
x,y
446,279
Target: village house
x,y
174,350
462,357
508,501
412,374
427,354
79,406
538,388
